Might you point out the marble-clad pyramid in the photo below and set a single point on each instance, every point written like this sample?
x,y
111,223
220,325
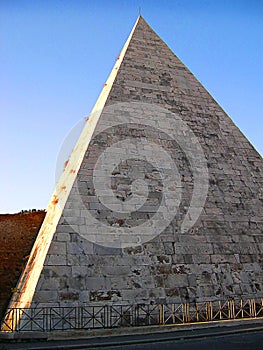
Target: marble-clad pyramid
x,y
160,201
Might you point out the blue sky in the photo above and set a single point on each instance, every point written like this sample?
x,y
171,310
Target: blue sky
x,y
56,55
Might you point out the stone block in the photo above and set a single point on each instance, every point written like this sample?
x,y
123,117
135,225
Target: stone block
x,y
57,248
172,281
201,258
79,248
45,296
157,294
105,296
96,283
73,259
62,237
57,259
223,258
204,249
138,295
79,271
84,297
102,250
116,270
69,296
49,284
191,280
57,271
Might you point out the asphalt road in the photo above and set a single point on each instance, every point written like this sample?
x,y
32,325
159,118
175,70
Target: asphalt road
x,y
235,342
222,338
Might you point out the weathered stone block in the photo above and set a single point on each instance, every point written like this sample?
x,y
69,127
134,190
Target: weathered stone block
x,y
57,248
95,283
57,259
45,296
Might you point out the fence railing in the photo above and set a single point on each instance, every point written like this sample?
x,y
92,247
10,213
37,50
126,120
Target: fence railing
x,y
48,319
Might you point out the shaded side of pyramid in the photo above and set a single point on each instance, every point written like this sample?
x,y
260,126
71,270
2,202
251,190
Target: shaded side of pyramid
x,y
161,141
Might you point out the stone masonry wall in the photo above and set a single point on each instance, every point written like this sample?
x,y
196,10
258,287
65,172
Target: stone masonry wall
x,y
220,257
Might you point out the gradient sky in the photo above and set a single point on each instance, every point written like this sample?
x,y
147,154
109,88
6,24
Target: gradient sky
x,y
56,55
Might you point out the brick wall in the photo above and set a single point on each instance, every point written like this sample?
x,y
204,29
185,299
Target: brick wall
x,y
17,235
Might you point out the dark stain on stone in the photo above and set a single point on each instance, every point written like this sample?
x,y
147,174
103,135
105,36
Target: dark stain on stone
x,y
69,296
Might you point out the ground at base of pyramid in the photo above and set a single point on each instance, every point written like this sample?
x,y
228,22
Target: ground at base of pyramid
x,y
160,201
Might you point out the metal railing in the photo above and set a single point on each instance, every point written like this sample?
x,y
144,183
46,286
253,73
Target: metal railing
x,y
48,319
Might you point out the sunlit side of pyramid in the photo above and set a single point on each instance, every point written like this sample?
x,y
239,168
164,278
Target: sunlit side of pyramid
x,y
211,251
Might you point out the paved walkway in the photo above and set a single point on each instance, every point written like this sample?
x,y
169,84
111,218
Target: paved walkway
x,y
246,334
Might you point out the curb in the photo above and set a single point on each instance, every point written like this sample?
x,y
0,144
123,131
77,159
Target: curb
x,y
159,338
105,337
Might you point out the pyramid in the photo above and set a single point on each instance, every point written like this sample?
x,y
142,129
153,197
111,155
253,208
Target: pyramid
x,y
160,200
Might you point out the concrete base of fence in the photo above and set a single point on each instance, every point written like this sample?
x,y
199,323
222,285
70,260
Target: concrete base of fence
x,y
186,329
23,336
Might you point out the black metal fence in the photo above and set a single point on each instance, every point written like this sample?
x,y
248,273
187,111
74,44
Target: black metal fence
x,y
48,319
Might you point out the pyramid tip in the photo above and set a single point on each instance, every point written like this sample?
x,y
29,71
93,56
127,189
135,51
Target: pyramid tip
x,y
140,13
